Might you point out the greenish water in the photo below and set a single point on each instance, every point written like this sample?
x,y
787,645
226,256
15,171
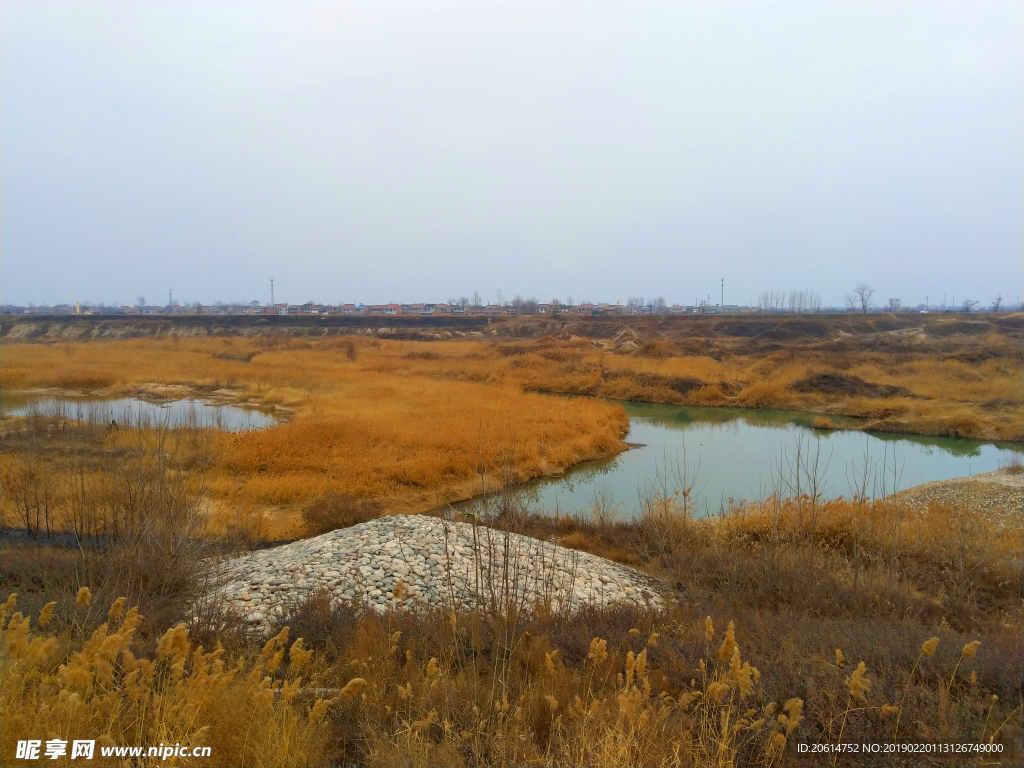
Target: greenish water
x,y
130,410
742,454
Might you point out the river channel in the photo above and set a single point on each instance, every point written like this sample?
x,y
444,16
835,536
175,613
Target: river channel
x,y
740,454
130,410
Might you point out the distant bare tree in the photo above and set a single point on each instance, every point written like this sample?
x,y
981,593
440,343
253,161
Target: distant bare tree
x,y
895,305
568,301
772,301
530,306
660,305
140,301
519,304
554,305
475,299
969,305
463,301
799,301
702,306
997,303
499,298
860,298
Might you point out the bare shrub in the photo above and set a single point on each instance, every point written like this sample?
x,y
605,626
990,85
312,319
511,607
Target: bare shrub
x,y
1012,466
338,510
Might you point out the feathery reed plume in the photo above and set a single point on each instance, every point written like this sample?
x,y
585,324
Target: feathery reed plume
x,y
352,688
298,656
549,661
718,689
652,641
598,651
840,658
968,652
116,608
174,642
728,643
319,709
709,629
857,683
84,596
928,646
794,709
8,607
46,613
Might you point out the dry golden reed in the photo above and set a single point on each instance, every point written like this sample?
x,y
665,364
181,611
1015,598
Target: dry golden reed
x,y
184,695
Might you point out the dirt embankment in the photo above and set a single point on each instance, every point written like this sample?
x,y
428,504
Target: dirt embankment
x,y
735,332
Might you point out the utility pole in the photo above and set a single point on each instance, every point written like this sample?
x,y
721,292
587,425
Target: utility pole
x,y
271,292
170,297
926,302
722,305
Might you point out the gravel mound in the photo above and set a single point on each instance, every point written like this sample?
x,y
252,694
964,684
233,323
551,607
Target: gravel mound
x,y
437,563
996,496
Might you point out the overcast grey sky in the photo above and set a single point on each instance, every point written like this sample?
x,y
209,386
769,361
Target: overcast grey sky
x,y
394,151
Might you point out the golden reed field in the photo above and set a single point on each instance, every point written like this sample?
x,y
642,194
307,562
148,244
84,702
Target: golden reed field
x,y
361,427
409,423
799,620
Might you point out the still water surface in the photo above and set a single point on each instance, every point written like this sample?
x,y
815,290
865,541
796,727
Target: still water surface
x,y
734,453
129,410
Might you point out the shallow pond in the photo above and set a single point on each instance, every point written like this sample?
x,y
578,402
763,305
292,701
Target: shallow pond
x,y
130,410
738,454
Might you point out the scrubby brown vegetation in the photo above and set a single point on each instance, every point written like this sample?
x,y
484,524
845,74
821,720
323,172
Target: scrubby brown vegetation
x,y
853,619
927,374
835,605
406,423
797,622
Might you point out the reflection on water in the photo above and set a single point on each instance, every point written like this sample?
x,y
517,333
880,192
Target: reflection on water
x,y
130,411
738,453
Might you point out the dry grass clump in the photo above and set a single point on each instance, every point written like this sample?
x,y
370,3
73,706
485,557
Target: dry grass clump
x,y
764,394
602,686
1012,466
605,705
333,511
747,658
71,687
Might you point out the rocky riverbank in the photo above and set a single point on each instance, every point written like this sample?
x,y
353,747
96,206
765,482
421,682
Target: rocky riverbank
x,y
415,560
997,496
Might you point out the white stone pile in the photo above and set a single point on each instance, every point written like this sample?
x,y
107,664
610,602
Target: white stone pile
x,y
404,561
